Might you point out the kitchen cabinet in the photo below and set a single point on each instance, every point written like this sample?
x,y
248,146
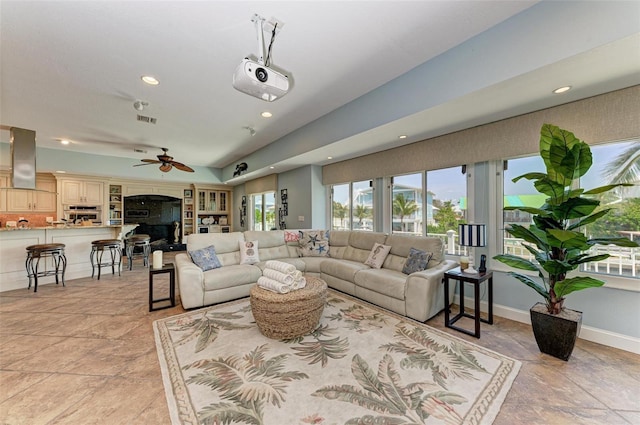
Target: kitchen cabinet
x,y
213,201
79,192
115,204
43,199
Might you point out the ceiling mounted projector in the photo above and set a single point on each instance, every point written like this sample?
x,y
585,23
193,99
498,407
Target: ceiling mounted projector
x,y
256,78
260,81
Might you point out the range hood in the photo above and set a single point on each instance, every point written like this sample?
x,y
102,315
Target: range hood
x,y
23,158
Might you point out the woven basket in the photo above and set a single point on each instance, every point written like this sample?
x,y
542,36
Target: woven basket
x,y
286,316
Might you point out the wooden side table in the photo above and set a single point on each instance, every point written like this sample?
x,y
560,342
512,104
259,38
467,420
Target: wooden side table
x,y
476,279
166,268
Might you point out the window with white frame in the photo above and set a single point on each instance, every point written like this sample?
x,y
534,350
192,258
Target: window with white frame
x,y
264,211
352,206
612,163
406,204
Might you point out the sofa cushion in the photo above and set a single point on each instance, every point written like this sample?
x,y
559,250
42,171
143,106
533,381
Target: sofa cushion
x,y
417,260
272,245
342,269
384,281
205,258
230,276
402,244
291,236
313,243
226,244
249,252
377,255
339,241
360,245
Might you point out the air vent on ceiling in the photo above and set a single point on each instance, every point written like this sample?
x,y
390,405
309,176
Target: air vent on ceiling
x,y
148,120
139,150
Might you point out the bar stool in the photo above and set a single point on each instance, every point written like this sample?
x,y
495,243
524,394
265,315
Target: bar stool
x,y
55,251
141,243
114,246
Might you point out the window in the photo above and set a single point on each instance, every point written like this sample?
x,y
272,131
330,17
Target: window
x,y
612,162
616,163
264,211
362,211
406,204
358,215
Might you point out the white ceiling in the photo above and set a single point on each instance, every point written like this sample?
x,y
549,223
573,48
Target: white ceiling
x,y
71,70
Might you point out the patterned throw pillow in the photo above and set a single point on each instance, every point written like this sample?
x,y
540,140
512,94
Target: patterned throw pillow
x,y
205,258
313,243
290,236
377,255
249,252
416,261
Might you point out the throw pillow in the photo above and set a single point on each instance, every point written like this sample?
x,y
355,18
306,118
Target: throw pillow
x,y
377,255
249,252
205,258
291,236
416,261
313,243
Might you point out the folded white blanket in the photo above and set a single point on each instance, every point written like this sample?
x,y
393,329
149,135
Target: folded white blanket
x,y
289,279
281,266
274,285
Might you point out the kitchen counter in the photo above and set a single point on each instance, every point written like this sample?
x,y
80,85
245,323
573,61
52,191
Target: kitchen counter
x,y
71,226
77,240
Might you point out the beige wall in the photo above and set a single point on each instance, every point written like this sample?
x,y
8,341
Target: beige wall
x,y
608,117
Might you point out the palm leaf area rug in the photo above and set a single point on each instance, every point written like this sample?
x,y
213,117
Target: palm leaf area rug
x,y
362,365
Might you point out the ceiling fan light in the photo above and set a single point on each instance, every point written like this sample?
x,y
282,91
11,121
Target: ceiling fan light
x,y
151,80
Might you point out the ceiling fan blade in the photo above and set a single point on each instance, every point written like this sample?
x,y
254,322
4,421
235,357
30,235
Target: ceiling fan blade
x,y
165,167
182,167
146,163
151,161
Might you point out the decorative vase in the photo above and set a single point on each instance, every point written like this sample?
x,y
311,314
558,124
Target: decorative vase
x,y
555,334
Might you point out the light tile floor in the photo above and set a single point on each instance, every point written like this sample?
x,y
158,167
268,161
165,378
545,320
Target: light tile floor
x,y
85,354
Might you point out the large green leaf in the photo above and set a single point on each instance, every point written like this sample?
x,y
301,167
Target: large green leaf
x,y
530,210
569,239
628,243
532,284
575,208
571,163
590,219
606,188
589,259
567,286
530,176
516,262
549,187
532,235
557,267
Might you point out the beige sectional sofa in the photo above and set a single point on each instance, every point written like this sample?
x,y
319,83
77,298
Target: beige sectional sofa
x,y
419,295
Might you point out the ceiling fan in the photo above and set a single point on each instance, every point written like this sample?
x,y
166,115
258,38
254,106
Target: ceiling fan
x,y
167,162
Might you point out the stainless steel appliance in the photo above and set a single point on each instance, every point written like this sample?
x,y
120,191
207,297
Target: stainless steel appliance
x,y
76,213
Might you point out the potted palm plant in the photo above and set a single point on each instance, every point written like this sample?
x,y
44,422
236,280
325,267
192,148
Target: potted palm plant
x,y
556,241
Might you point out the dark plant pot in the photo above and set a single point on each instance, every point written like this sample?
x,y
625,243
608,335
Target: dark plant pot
x,y
555,334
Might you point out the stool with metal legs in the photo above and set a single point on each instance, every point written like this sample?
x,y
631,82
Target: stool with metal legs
x,y
138,246
98,248
35,253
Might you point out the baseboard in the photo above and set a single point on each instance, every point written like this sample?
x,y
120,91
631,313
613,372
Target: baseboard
x,y
588,333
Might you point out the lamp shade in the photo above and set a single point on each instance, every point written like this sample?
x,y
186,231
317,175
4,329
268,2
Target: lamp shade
x,y
472,234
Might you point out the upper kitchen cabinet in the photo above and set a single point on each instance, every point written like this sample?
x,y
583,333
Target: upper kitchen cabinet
x,y
43,199
212,201
82,192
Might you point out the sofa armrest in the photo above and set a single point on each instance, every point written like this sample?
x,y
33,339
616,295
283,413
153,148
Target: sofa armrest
x,y
424,295
190,281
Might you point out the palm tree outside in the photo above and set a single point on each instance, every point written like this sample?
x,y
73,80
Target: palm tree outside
x,y
403,207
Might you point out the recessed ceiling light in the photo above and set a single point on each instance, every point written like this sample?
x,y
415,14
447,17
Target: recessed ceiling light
x,y
329,157
402,136
272,167
562,89
64,142
61,171
152,81
266,114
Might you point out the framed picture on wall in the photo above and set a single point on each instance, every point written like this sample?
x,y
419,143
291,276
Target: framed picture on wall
x,y
188,193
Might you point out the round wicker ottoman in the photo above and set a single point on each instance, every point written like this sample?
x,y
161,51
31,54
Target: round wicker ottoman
x,y
285,316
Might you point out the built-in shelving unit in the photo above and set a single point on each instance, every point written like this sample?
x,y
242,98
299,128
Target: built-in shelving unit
x,y
187,213
115,204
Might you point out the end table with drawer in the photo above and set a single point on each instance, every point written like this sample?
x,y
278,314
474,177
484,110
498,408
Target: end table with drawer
x,y
476,279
